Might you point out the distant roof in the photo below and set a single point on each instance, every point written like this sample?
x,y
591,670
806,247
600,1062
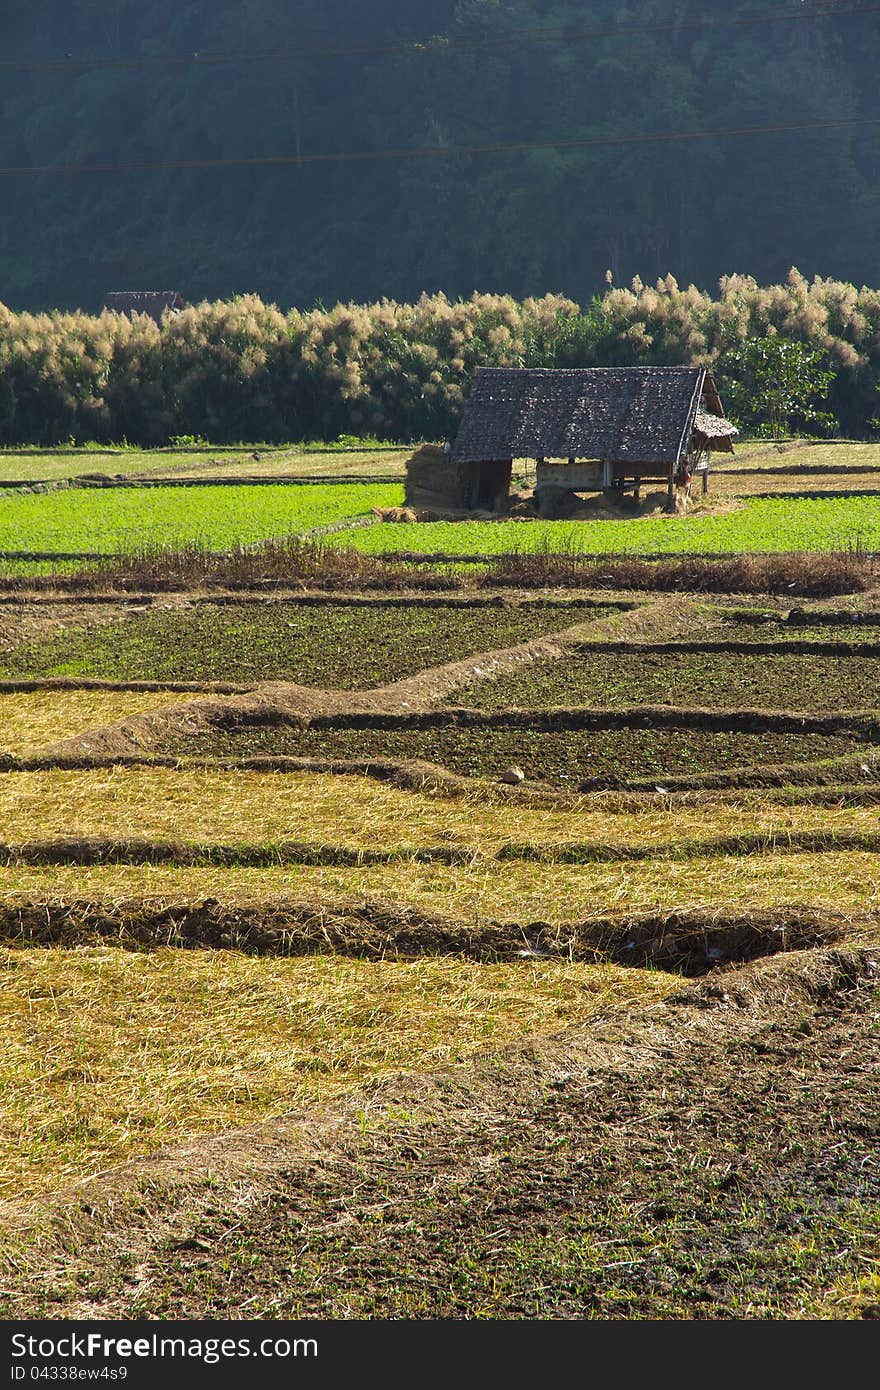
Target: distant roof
x,y
643,414
152,302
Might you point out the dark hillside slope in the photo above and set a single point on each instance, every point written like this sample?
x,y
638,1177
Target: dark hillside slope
x,y
263,84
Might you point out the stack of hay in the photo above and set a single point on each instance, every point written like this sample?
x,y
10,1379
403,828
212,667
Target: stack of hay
x,y
433,480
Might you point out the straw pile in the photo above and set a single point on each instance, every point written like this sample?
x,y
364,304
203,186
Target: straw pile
x,y
432,479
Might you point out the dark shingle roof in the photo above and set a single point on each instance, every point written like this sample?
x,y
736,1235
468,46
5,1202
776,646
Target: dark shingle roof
x,y
643,414
152,302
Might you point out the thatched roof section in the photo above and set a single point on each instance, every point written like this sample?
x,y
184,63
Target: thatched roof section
x,y
151,302
713,426
638,414
714,431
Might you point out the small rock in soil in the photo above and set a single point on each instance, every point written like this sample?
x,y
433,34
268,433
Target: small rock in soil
x,y
513,776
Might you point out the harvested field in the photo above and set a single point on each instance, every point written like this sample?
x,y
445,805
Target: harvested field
x,y
845,458
580,1197
229,1039
742,481
32,721
709,1155
690,941
244,807
264,461
803,680
337,645
489,889
578,758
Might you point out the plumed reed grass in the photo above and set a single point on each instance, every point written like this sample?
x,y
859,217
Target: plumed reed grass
x,y
243,370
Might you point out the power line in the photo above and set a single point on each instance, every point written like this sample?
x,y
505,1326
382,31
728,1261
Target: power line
x,y
435,44
438,151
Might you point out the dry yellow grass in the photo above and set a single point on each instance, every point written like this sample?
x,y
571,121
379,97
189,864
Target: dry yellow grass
x,y
486,890
107,1055
292,463
732,485
252,807
35,719
762,453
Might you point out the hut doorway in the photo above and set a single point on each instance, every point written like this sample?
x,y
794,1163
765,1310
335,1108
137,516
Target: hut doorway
x,y
489,485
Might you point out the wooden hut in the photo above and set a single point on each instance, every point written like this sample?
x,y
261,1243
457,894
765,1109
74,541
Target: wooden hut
x,y
154,303
590,429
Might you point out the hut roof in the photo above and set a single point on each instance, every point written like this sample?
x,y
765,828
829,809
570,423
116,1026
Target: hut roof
x,y
152,302
642,414
716,430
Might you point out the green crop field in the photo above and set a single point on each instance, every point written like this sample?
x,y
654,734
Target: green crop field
x,y
567,757
123,519
764,524
341,645
711,678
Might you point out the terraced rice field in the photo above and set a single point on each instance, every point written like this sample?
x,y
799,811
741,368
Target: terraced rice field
x,y
677,957
711,678
331,644
33,720
746,626
577,757
754,524
229,806
133,519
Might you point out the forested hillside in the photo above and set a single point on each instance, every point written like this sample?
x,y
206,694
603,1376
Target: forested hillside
x,y
157,81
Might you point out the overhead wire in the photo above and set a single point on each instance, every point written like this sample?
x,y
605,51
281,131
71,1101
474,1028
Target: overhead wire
x,y
433,44
439,151
437,44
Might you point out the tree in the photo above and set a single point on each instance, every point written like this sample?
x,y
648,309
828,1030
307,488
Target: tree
x,y
773,384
